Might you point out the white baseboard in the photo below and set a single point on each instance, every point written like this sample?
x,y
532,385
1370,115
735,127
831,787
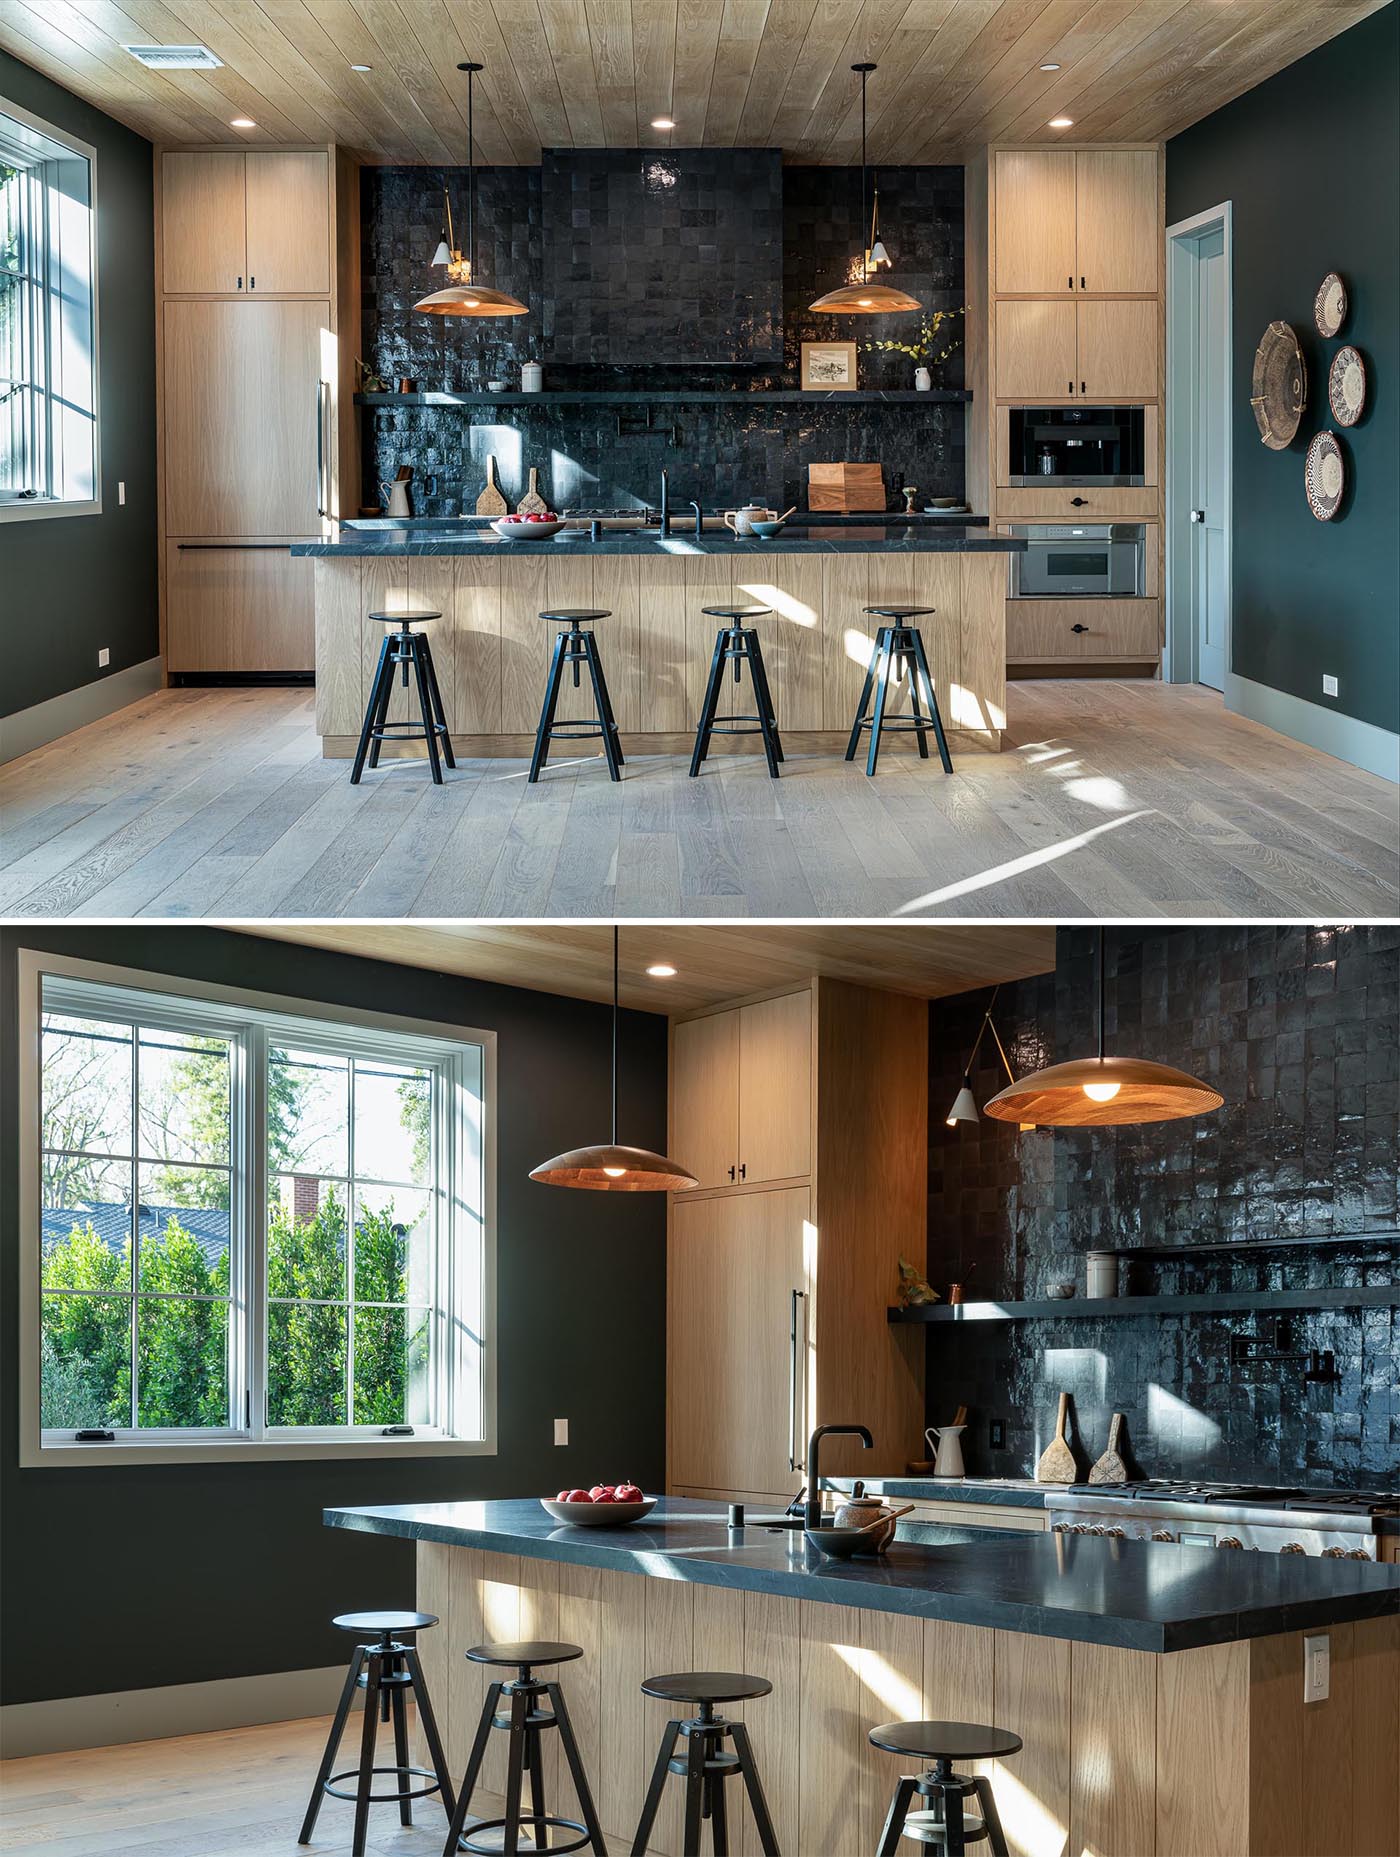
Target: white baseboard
x,y
33,728
1361,743
175,1709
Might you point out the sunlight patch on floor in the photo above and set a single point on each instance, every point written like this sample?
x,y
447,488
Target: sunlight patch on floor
x,y
1017,867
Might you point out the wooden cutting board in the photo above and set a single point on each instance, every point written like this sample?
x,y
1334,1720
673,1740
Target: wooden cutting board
x,y
1110,1468
491,502
532,503
845,486
1057,1463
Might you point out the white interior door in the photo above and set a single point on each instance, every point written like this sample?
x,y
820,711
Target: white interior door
x,y
1210,461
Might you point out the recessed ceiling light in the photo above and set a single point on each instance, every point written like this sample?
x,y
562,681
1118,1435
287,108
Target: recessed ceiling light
x,y
662,122
1049,67
1061,122
242,122
659,970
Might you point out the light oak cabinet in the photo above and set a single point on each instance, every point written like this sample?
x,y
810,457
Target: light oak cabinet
x,y
1077,220
776,1294
742,1092
245,606
236,223
1118,349
1037,350
1092,350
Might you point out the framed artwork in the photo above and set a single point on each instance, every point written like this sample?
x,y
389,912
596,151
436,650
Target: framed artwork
x,y
829,367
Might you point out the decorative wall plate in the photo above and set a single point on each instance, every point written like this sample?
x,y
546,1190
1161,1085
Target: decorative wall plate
x,y
1346,386
1330,304
1325,476
1280,387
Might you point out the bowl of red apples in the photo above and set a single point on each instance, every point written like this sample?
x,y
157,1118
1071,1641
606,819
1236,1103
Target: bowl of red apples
x,y
606,1505
535,527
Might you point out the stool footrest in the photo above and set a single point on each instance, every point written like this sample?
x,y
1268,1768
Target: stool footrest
x,y
404,1792
545,1820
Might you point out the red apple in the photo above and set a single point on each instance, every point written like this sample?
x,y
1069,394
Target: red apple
x,y
563,1496
578,1495
628,1492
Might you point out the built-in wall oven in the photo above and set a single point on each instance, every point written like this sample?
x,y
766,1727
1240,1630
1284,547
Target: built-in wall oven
x,y
1097,445
1079,560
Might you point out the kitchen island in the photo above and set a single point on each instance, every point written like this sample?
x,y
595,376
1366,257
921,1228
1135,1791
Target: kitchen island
x,y
492,649
1158,1689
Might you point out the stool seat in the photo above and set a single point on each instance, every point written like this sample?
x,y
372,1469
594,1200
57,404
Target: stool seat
x,y
525,1651
574,615
946,1740
900,612
384,1624
736,612
707,1686
413,618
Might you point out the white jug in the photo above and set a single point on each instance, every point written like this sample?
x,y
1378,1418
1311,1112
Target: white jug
x,y
396,501
948,1457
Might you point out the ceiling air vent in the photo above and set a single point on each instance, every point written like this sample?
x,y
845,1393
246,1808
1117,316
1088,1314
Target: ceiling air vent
x,y
175,57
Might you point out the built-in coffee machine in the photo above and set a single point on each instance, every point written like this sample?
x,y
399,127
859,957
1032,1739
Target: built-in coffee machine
x,y
1076,445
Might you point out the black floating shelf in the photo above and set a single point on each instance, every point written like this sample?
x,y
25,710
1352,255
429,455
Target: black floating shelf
x,y
720,396
1222,1247
1359,1296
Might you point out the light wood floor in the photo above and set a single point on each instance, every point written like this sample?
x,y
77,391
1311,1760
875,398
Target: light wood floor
x,y
237,1793
1111,799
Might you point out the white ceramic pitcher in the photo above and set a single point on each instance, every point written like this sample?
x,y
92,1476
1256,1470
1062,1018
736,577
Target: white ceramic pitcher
x,y
947,1457
396,501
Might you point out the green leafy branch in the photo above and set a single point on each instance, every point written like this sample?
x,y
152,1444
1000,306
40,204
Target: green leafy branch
x,y
924,348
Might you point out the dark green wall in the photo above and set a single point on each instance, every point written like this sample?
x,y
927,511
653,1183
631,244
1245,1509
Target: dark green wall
x,y
1309,161
129,1577
72,584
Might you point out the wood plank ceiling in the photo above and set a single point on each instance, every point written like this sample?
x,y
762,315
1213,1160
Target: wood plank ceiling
x,y
713,962
954,74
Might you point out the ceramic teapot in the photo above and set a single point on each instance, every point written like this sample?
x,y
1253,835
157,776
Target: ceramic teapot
x,y
741,521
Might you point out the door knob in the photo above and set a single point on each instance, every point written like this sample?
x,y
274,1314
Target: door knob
x,y
1198,515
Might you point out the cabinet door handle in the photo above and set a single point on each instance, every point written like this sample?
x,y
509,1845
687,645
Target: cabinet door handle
x,y
1082,284
1079,628
1070,385
321,497
229,547
1079,501
240,283
1070,282
1083,386
252,282
797,1351
743,1170
731,1173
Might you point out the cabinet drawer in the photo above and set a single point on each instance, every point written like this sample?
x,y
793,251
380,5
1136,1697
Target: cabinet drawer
x,y
1043,630
1060,506
238,607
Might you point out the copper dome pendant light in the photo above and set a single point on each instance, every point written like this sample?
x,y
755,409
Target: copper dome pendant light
x,y
866,298
609,1168
1102,1092
463,295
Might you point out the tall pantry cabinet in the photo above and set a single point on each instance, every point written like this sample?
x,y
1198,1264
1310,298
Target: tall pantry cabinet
x,y
257,316
803,1116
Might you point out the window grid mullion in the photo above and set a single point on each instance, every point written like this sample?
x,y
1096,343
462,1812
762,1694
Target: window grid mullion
x,y
352,1213
135,1232
253,1135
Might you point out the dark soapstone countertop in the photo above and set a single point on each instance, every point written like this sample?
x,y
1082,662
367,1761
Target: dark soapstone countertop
x,y
1006,1492
1147,1596
455,538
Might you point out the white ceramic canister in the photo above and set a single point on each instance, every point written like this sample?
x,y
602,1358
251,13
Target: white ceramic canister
x,y
1102,1274
532,378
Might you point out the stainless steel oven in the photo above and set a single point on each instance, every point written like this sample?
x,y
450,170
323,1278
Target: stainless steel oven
x,y
1079,560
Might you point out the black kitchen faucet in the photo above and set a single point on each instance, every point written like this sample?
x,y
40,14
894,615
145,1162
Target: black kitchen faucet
x,y
814,1475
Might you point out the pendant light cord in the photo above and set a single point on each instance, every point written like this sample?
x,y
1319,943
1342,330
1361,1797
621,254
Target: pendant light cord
x,y
864,249
614,1041
1101,992
471,180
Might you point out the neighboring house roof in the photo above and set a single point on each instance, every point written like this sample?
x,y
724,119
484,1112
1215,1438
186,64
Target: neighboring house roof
x,y
207,1225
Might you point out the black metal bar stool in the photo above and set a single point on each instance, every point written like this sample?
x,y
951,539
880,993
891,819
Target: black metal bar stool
x,y
944,1822
899,647
738,644
524,1720
404,648
574,646
706,1763
385,1666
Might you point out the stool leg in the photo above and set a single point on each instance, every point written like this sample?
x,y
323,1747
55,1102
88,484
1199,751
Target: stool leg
x,y
652,1801
767,721
953,1841
342,1712
719,1824
439,713
991,1818
608,717
748,1766
386,691
427,1721
401,1751
365,1785
864,702
933,710
534,1761
551,702
404,655
576,652
695,1747
708,707
894,1824
425,705
510,1833
771,707
371,710
576,1769
469,1778
882,690
603,706
916,710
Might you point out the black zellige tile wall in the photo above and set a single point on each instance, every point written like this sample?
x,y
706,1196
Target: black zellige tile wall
x,y
610,455
1300,1030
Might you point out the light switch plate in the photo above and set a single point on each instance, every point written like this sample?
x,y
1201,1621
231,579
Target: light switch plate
x,y
1329,685
561,1431
1317,1666
104,658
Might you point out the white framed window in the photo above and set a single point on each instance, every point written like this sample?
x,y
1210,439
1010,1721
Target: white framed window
x,y
49,452
249,1225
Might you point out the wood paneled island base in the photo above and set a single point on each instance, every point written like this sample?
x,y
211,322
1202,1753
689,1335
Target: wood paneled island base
x,y
1128,1753
492,649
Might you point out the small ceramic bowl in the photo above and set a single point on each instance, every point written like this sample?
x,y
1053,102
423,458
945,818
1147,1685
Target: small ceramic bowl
x,y
840,1543
495,386
767,530
513,531
598,1514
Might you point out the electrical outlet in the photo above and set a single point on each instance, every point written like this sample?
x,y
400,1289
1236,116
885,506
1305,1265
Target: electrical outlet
x,y
1329,685
1317,1666
561,1431
104,658
121,493
996,1434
